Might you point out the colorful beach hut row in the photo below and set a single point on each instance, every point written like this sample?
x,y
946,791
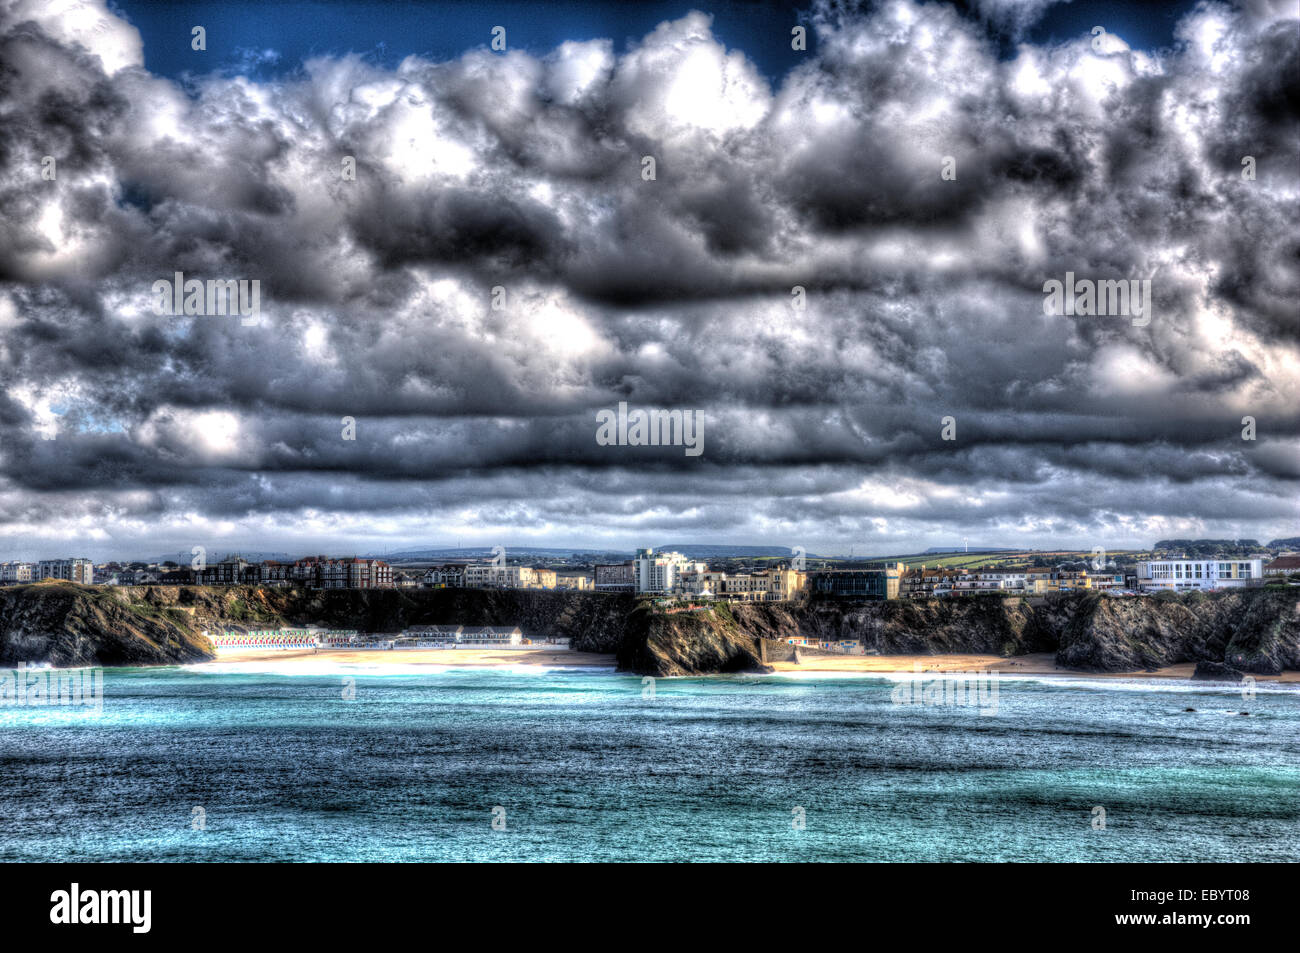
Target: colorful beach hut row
x,y
266,639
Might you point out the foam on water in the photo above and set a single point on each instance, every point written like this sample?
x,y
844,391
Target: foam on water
x,y
1116,683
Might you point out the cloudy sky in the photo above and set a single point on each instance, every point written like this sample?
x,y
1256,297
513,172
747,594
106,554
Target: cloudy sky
x,y
125,432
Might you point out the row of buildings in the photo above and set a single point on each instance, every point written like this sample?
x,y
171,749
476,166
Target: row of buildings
x,y
313,572
491,575
673,574
73,570
897,581
923,583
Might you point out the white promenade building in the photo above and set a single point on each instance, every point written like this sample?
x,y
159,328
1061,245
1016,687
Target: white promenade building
x,y
1182,574
491,635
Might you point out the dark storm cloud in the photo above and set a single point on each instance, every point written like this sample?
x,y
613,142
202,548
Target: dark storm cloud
x,y
823,426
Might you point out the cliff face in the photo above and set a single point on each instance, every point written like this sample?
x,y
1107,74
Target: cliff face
x,y
68,625
592,622
1254,631
688,643
934,625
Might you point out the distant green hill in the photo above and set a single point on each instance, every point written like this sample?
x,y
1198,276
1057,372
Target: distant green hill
x,y
1197,548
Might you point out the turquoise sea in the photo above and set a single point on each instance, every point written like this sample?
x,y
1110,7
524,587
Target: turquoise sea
x,y
267,762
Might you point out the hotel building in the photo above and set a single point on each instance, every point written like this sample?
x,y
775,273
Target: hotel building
x,y
922,583
314,572
73,570
658,572
16,572
766,585
369,574
784,583
490,576
231,571
1182,574
698,582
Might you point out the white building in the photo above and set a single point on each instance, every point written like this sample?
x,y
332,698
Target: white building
x,y
489,575
698,582
436,634
968,585
16,572
73,570
1005,579
658,572
1183,574
491,635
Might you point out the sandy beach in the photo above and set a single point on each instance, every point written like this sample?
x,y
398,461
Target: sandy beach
x,y
442,657
1042,663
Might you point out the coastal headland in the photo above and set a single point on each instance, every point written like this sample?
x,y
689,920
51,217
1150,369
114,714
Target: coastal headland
x,y
1255,632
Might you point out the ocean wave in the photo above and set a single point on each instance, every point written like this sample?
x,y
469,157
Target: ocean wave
x,y
1117,683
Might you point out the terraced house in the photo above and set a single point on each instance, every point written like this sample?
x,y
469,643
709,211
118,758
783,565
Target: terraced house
x,y
314,572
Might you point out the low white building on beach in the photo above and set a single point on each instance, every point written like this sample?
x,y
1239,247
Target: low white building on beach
x,y
492,635
463,635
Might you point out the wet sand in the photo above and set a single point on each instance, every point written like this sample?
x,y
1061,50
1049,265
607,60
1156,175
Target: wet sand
x,y
1041,663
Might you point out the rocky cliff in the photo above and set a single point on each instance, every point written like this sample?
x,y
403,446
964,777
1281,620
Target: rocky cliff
x,y
66,624
1255,631
688,643
997,626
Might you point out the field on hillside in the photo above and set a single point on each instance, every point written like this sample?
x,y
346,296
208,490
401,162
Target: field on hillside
x,y
973,561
